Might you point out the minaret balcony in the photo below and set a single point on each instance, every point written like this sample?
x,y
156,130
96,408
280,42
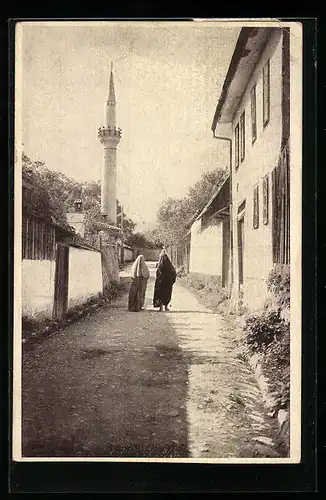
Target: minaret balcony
x,y
109,133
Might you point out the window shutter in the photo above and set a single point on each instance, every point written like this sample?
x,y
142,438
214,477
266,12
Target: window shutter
x,y
266,93
265,200
253,114
242,136
256,208
236,146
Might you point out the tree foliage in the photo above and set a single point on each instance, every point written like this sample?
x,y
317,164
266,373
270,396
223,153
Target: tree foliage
x,y
200,194
153,238
174,213
171,218
144,240
53,194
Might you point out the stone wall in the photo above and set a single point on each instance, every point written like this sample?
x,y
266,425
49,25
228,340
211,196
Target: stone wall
x,y
110,265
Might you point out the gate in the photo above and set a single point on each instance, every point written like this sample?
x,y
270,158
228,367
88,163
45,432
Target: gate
x,y
61,281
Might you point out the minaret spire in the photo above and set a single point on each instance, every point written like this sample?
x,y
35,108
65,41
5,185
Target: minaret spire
x,y
109,136
109,109
111,97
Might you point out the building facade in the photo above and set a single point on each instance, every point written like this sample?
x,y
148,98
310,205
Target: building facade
x,y
253,113
205,249
210,239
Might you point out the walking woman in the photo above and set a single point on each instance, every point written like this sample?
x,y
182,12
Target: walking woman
x,y
165,278
139,275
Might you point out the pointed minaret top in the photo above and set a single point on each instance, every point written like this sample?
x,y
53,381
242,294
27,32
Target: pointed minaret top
x,y
111,97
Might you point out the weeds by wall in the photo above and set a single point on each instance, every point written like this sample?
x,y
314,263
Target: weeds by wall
x,y
208,290
266,343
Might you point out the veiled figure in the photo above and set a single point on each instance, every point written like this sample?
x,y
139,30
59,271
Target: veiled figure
x,y
165,278
139,275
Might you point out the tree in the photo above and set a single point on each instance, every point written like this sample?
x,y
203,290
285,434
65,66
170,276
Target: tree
x,y
174,213
53,191
171,219
200,194
128,224
53,195
153,237
137,240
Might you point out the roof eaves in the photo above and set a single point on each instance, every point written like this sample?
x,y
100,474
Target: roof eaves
x,y
238,53
213,198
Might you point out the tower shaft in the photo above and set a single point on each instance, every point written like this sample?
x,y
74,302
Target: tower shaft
x,y
109,136
109,183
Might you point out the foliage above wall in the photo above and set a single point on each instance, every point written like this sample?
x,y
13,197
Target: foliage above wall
x,y
174,213
52,194
147,240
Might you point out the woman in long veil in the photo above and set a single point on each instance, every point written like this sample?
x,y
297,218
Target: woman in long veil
x,y
139,275
165,278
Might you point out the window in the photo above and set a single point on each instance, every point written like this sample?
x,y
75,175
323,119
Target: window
x,y
265,200
255,221
236,146
242,136
266,93
253,115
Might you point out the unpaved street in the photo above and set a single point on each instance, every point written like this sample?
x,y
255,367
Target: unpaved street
x,y
147,384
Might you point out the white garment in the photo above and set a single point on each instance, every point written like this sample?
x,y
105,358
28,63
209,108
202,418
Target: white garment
x,y
139,268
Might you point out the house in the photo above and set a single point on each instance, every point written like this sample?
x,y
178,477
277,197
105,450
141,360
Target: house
x,y
253,115
77,218
128,253
205,249
210,239
59,268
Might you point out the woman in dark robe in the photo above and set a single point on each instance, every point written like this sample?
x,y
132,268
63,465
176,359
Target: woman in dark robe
x,y
165,278
139,275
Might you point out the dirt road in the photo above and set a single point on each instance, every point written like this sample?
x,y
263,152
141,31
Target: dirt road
x,y
147,384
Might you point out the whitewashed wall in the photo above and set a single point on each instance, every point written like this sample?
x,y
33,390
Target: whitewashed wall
x,y
206,249
85,275
260,159
38,287
128,254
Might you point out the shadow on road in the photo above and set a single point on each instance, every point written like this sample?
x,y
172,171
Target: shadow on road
x,y
113,385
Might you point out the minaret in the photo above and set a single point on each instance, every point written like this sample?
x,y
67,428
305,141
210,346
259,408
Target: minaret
x,y
109,136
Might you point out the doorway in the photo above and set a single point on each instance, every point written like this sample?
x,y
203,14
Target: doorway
x,y
240,248
226,253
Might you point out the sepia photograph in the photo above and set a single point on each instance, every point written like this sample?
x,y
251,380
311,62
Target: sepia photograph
x,y
157,241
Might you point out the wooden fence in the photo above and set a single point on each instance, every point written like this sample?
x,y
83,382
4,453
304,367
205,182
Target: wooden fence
x,y
38,239
180,253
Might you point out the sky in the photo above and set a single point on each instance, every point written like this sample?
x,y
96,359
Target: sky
x,y
167,80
